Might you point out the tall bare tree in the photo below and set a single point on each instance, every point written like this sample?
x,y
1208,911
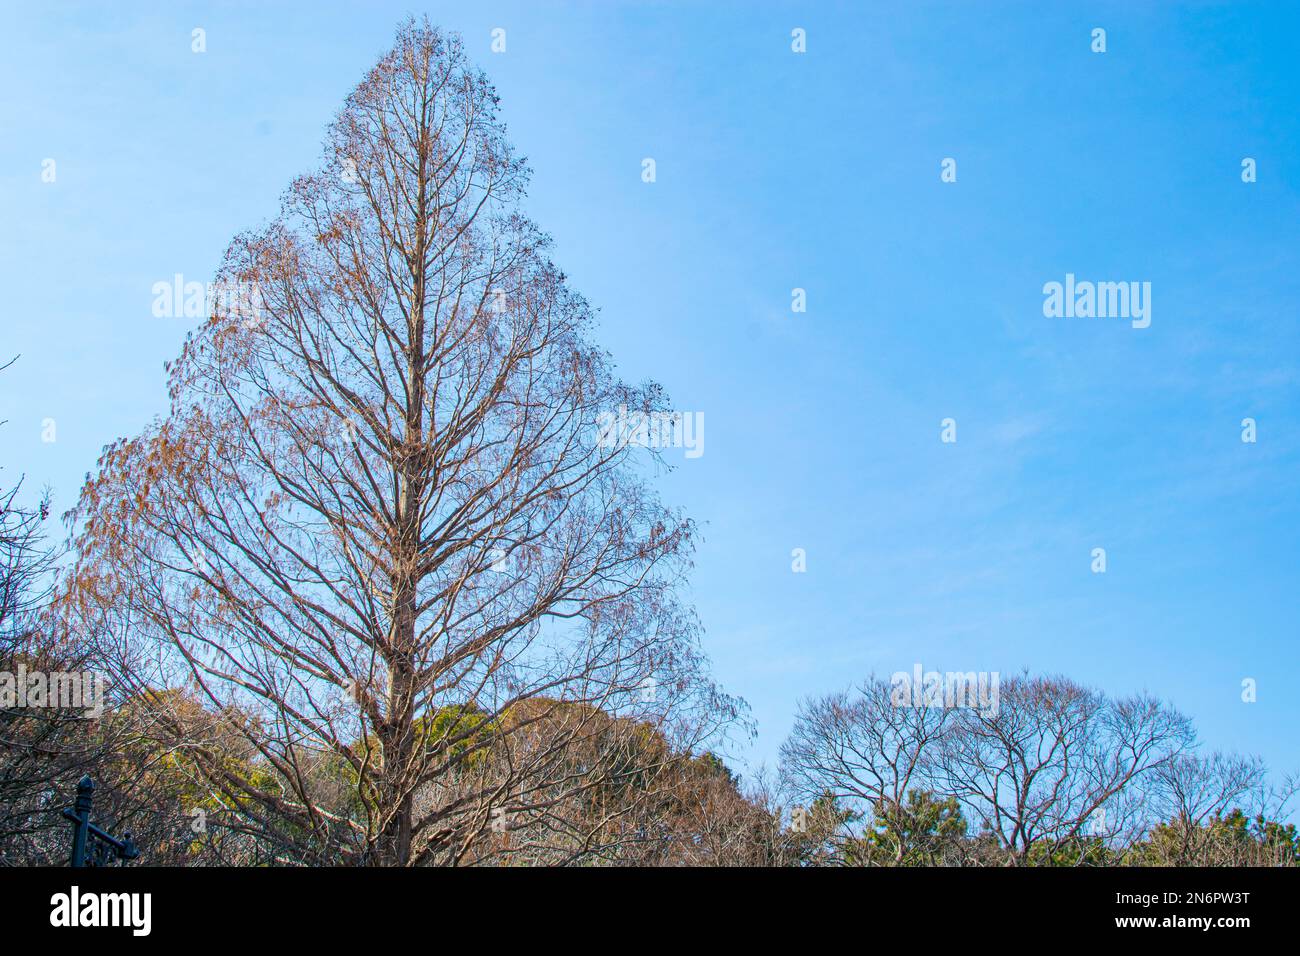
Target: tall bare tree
x,y
377,524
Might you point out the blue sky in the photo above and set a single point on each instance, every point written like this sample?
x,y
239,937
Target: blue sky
x,y
777,170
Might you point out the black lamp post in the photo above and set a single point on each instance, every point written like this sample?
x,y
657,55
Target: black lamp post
x,y
104,847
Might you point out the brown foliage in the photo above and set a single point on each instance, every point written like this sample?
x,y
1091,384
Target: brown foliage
x,y
380,496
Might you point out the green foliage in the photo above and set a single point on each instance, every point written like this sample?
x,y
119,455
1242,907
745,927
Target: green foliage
x,y
1078,851
920,832
1231,839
